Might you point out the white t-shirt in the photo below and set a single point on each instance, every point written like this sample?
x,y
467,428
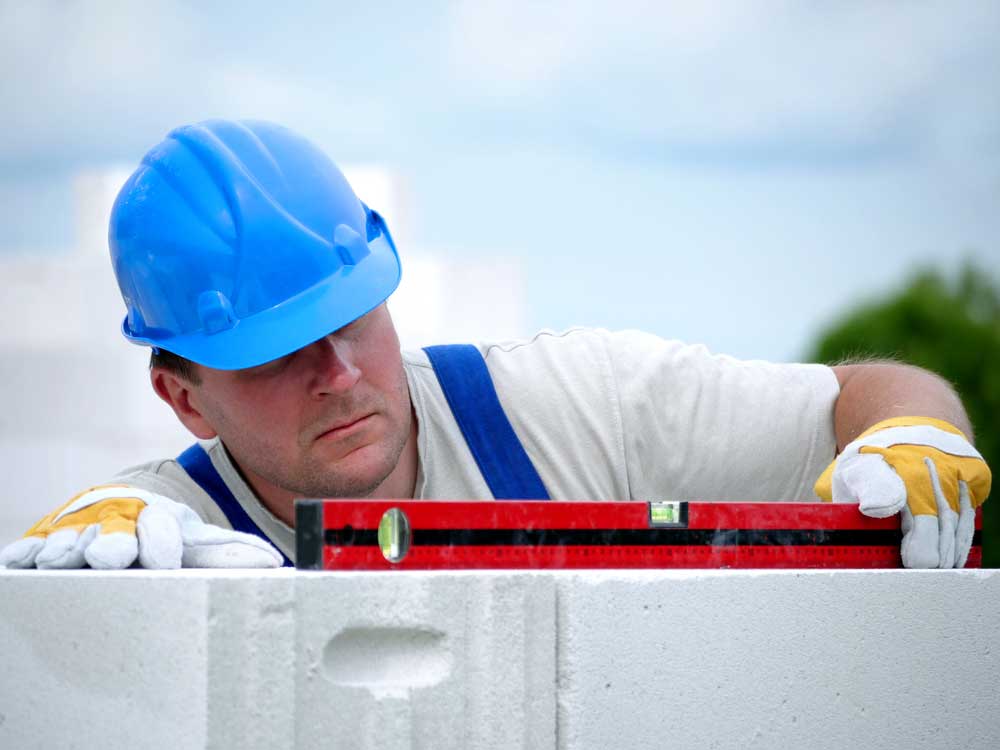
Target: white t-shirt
x,y
603,416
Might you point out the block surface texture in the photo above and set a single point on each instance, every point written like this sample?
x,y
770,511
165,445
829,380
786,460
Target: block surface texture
x,y
500,659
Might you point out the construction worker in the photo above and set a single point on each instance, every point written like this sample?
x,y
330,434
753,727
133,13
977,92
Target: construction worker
x,y
259,279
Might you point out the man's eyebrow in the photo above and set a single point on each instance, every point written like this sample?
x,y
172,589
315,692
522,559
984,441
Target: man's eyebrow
x,y
265,366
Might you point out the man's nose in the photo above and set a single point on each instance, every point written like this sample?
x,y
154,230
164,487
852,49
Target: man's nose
x,y
335,368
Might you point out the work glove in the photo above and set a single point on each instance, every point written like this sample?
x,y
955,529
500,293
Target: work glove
x,y
109,526
926,470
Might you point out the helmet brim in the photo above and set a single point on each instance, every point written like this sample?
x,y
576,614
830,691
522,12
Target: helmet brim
x,y
333,303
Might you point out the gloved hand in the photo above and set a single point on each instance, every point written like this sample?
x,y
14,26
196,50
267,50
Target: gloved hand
x,y
109,526
924,469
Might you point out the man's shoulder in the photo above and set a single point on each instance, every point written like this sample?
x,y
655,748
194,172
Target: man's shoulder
x,y
576,340
575,350
551,370
167,477
157,475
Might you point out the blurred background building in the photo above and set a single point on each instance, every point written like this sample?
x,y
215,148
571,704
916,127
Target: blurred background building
x,y
739,174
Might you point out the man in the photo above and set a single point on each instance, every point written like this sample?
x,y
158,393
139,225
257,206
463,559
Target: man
x,y
248,264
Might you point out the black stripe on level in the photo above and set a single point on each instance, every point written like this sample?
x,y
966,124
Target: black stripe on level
x,y
349,537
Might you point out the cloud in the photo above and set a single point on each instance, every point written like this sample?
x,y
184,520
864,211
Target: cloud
x,y
73,69
104,81
711,80
723,73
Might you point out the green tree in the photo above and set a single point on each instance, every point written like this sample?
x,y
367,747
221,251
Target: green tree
x,y
949,326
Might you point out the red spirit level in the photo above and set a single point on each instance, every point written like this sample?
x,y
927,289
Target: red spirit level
x,y
444,534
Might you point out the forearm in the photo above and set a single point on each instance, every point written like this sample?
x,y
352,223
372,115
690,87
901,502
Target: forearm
x,y
872,392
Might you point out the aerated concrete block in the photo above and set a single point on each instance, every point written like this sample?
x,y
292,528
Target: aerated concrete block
x,y
503,659
426,660
103,660
777,659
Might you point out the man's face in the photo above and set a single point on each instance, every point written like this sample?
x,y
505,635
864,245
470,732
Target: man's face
x,y
328,420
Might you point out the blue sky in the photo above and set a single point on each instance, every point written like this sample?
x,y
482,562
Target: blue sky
x,y
732,173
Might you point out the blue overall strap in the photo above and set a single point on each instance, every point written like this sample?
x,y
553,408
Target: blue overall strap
x,y
469,390
199,467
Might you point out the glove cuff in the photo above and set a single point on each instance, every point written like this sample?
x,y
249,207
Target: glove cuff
x,y
913,422
824,485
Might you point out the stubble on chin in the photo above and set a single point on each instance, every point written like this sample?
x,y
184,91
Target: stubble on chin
x,y
317,478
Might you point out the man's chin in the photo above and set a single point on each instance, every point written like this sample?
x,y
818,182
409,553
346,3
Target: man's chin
x,y
359,473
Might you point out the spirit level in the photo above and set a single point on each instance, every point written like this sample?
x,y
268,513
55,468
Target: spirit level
x,y
444,534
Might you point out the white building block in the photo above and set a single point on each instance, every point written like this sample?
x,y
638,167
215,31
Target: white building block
x,y
561,659
779,659
424,660
251,652
99,660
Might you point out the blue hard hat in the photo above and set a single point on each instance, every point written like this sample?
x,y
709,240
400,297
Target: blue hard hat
x,y
236,243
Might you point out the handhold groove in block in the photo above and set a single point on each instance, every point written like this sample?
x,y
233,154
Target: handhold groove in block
x,y
382,659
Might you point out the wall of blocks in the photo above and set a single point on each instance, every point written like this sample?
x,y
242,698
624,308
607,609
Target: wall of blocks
x,y
564,659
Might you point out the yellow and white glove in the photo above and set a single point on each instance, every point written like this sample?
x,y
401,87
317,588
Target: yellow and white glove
x,y
926,470
110,526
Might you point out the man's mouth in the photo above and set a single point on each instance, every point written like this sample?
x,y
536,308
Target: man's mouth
x,y
344,429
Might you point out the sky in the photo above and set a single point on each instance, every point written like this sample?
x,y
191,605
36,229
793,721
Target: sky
x,y
733,173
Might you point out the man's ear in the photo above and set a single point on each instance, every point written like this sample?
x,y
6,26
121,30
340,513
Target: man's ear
x,y
176,391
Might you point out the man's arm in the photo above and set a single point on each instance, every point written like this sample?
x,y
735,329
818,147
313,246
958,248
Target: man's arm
x,y
875,391
904,446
